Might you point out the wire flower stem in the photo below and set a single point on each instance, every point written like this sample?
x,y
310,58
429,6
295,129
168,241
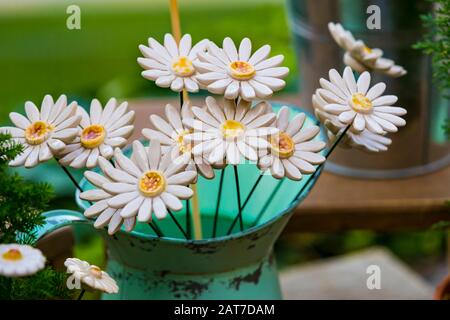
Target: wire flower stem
x,y
81,294
156,229
327,154
238,192
177,224
263,210
188,220
245,203
219,195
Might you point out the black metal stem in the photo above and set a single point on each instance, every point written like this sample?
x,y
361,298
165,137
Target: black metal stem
x,y
181,100
238,192
177,223
156,229
327,154
245,203
74,181
263,210
188,220
219,195
81,294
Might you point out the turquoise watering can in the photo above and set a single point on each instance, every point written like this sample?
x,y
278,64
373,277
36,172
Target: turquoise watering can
x,y
240,265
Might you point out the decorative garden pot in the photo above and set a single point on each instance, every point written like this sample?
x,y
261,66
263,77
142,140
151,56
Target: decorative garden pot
x,y
236,266
419,147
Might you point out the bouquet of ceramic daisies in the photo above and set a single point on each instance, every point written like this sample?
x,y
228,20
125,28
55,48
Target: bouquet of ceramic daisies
x,y
237,125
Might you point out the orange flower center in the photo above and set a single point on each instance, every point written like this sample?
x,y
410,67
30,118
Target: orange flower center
x,y
367,49
232,129
241,70
93,136
37,132
282,145
96,271
360,103
183,67
12,255
152,183
183,146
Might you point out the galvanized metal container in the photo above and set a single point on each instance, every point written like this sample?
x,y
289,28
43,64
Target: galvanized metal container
x,y
421,146
236,266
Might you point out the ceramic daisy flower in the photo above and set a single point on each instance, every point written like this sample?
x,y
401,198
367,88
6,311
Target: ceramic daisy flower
x,y
356,104
229,131
293,150
171,135
147,183
172,65
20,260
360,57
236,72
100,131
104,215
91,276
45,132
364,140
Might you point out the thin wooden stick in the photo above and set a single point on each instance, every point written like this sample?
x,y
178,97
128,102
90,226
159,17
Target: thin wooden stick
x,y
176,32
175,20
198,234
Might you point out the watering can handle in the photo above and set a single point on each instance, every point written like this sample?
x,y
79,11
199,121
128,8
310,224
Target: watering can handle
x,y
57,219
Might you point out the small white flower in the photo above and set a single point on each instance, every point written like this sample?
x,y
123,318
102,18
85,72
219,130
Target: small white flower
x,y
365,140
232,72
100,132
293,150
104,214
43,133
20,260
171,135
145,184
172,65
356,104
360,57
91,276
229,131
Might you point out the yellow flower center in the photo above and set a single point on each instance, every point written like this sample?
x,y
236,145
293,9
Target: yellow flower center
x,y
183,67
183,146
241,70
12,255
232,129
152,183
367,49
282,145
37,132
96,271
360,103
93,136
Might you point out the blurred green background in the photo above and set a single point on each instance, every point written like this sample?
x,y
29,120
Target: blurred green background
x,y
39,55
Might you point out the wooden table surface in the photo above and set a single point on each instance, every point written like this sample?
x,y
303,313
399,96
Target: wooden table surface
x,y
339,203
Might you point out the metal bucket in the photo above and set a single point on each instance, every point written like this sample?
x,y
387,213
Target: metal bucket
x,y
421,146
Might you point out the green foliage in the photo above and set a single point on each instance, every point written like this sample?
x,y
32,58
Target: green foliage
x,y
21,207
437,41
46,284
8,148
21,202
